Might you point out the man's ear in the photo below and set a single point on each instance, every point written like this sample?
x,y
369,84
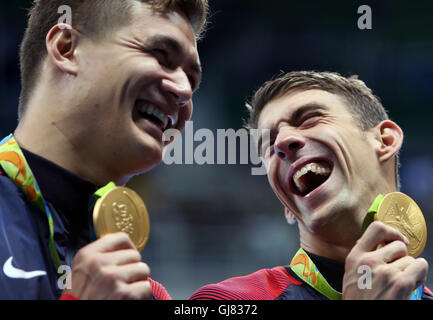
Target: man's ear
x,y
390,139
61,43
290,217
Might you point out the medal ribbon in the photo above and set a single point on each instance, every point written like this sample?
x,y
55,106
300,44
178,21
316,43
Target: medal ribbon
x,y
98,194
17,169
305,269
15,166
369,218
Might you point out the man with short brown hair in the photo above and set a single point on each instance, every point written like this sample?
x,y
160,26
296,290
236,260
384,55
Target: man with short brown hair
x,y
332,151
97,95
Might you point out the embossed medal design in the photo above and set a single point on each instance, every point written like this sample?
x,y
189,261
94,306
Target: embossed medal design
x,y
402,213
121,209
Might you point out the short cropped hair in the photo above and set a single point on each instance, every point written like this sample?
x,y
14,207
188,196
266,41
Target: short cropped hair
x,y
365,107
96,18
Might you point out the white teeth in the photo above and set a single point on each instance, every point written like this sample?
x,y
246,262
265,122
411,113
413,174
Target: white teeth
x,y
153,110
173,119
308,168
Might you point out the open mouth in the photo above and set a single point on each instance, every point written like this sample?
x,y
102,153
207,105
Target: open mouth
x,y
310,176
153,114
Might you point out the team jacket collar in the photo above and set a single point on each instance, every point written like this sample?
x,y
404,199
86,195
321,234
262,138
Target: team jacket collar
x,y
67,192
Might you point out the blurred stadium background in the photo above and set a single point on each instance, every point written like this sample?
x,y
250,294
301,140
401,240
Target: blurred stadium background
x,y
210,222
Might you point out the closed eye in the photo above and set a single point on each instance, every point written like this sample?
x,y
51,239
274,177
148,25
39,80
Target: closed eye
x,y
163,57
310,119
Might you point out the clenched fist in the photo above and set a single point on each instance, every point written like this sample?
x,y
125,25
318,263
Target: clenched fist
x,y
109,268
394,274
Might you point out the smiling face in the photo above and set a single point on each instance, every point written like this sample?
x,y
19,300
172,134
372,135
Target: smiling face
x,y
321,165
134,84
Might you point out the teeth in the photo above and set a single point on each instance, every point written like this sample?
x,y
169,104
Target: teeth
x,y
173,120
309,168
152,110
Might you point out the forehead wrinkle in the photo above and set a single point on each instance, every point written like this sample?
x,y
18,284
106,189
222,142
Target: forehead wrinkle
x,y
164,40
309,106
293,116
174,21
175,47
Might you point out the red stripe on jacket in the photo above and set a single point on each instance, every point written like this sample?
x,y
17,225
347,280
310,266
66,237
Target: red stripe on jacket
x,y
265,284
158,291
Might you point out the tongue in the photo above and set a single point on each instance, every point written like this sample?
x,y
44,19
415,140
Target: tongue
x,y
310,181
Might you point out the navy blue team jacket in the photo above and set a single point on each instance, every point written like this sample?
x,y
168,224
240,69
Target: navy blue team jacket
x,y
26,268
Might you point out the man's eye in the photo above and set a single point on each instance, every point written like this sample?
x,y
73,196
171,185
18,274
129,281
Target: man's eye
x,y
310,119
162,56
161,52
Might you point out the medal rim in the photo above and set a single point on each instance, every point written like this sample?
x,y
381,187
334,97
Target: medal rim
x,y
380,215
99,218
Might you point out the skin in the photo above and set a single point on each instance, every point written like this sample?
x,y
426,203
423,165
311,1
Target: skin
x,y
110,269
87,93
307,124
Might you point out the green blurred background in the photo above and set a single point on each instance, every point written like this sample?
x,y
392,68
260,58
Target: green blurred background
x,y
211,222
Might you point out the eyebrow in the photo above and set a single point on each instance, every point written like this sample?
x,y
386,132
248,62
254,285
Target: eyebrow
x,y
296,116
312,106
174,46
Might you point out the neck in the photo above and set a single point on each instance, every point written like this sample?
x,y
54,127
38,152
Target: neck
x,y
324,247
332,234
45,138
336,238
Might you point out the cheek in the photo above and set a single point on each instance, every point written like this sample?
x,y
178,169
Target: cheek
x,y
185,114
365,161
358,156
188,111
277,177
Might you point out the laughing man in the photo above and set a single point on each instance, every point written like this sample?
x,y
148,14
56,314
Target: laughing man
x,y
96,97
332,150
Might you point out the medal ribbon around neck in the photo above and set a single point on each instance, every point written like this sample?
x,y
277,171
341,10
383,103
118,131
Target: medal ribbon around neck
x,y
15,166
17,169
305,269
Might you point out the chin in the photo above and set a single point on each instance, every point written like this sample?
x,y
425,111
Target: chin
x,y
150,160
318,219
334,217
143,157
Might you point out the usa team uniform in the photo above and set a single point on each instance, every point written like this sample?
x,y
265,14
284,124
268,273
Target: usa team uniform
x,y
301,280
27,270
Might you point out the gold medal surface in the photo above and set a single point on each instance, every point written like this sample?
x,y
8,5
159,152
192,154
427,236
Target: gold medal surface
x,y
402,213
121,209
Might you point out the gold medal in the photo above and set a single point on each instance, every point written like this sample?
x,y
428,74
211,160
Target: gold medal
x,y
121,209
402,213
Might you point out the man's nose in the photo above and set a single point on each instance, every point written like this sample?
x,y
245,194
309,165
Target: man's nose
x,y
288,142
178,86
